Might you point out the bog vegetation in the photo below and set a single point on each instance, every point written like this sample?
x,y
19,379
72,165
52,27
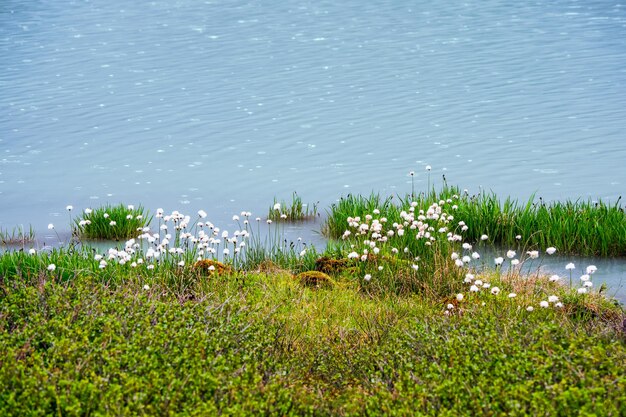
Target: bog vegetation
x,y
401,314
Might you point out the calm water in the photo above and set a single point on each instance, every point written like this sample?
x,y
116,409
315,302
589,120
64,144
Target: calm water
x,y
222,105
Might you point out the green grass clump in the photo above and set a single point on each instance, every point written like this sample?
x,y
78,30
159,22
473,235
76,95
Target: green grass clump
x,y
585,228
80,340
574,227
16,236
111,222
295,211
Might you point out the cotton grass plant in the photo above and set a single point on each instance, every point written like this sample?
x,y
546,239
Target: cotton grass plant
x,y
110,222
575,227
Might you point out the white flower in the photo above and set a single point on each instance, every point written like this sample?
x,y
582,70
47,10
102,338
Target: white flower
x,y
570,266
50,226
88,211
428,168
181,263
587,284
559,305
102,264
473,288
415,267
495,290
367,277
476,255
69,208
32,251
450,306
554,278
512,295
467,246
353,255
146,287
553,299
544,304
458,263
150,266
106,215
380,268
202,214
466,259
235,218
277,206
499,260
582,290
226,252
514,262
533,254
459,297
529,308
411,173
551,250
113,223
484,237
584,278
591,269
510,254
52,267
518,237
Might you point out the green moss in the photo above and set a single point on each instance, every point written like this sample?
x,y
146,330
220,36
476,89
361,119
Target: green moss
x,y
331,266
211,267
315,279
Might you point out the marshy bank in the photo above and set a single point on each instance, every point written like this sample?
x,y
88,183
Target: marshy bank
x,y
402,313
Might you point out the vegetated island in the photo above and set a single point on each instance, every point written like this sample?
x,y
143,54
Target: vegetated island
x,y
401,314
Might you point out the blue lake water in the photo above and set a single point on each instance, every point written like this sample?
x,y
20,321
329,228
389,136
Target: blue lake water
x,y
224,105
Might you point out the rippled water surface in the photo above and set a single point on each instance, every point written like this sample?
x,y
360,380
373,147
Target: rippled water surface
x,y
223,105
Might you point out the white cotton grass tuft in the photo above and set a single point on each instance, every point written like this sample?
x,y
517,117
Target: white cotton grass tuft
x,y
551,250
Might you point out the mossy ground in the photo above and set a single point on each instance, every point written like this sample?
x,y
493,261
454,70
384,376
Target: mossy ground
x,y
263,344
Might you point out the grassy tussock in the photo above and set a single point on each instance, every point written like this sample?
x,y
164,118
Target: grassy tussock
x,y
574,227
111,222
294,211
16,236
